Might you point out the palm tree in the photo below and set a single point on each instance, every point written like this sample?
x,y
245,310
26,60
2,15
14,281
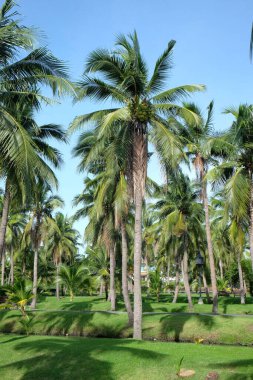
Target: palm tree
x,y
62,242
124,80
19,84
40,222
180,215
99,266
72,278
202,148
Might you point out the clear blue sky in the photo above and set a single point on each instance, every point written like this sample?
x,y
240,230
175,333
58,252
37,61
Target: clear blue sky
x,y
212,48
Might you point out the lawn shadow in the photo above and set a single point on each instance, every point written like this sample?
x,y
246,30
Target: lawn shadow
x,y
175,323
70,358
232,370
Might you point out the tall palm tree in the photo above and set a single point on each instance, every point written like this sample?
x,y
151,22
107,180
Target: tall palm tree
x,y
40,222
62,242
203,148
19,80
139,108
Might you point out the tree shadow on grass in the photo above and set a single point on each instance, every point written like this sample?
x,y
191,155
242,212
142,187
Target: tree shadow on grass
x,y
71,358
232,370
175,324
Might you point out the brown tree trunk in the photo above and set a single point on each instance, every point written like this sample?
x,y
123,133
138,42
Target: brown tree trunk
x,y
139,178
177,280
186,275
242,291
168,273
3,267
35,277
4,219
186,278
112,278
210,249
124,274
206,287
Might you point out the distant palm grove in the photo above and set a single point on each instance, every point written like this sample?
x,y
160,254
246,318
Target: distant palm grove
x,y
192,232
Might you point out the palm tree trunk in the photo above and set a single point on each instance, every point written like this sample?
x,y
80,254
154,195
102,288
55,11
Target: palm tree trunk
x,y
139,178
12,266
168,273
147,269
206,287
251,222
3,267
5,213
124,274
242,291
57,281
106,290
186,278
221,268
177,280
210,249
35,277
112,278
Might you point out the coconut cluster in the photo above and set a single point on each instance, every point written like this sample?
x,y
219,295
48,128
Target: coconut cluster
x,y
142,111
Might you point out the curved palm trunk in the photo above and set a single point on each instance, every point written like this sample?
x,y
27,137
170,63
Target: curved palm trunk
x,y
3,267
210,249
5,213
242,290
112,278
186,278
124,275
139,178
35,277
177,281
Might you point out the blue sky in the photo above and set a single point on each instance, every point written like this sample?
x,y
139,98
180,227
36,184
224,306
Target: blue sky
x,y
212,48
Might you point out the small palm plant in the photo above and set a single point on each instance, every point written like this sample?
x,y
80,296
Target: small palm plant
x,y
156,284
73,277
19,295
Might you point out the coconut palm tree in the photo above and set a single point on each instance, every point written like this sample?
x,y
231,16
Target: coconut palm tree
x,y
20,79
180,215
72,278
39,223
62,242
203,149
139,108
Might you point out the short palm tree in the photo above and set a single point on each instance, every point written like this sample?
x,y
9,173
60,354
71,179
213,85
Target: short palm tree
x,y
139,109
72,277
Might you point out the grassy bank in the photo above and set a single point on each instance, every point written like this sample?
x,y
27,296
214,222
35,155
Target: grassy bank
x,y
227,305
29,358
213,329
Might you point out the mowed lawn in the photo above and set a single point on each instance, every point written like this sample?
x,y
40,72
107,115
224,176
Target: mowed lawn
x,y
227,305
37,357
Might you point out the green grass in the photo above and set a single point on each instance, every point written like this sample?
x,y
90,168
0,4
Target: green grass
x,y
227,305
41,358
213,329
